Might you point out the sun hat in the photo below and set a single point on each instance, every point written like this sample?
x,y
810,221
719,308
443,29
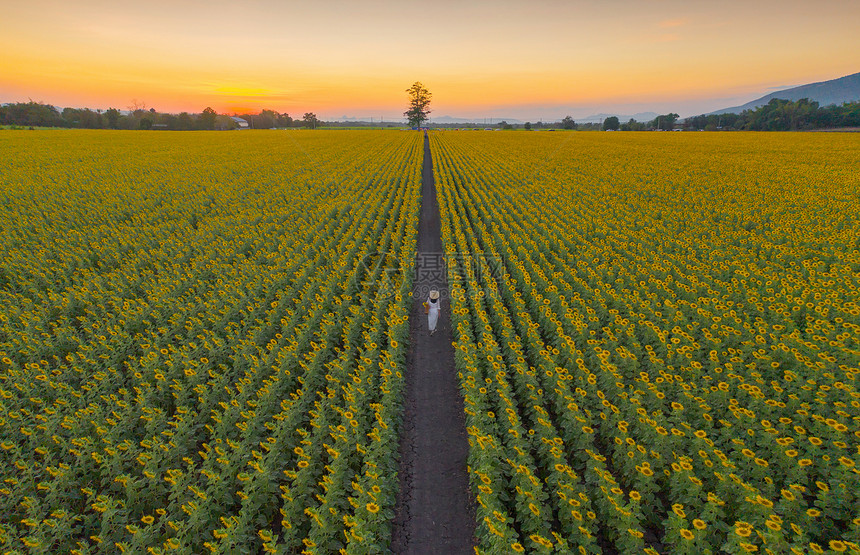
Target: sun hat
x,y
434,294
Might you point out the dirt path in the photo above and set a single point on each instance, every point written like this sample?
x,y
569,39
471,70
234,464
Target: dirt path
x,y
434,512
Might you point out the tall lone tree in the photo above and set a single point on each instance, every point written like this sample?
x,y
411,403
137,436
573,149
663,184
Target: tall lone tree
x,y
419,100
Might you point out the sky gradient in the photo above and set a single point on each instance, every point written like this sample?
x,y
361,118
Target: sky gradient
x,y
524,60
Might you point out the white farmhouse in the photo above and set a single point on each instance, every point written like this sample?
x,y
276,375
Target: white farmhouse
x,y
240,123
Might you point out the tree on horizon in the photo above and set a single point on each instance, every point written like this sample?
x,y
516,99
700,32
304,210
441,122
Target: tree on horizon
x,y
311,121
611,123
419,100
207,118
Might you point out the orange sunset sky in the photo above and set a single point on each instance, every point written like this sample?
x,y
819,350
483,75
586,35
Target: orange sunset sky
x,y
525,60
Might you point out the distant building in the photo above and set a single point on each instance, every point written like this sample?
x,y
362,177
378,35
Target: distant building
x,y
240,123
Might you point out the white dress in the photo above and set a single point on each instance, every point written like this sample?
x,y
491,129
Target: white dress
x,y
433,313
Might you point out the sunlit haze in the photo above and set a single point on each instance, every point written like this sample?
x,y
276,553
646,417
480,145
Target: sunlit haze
x,y
524,60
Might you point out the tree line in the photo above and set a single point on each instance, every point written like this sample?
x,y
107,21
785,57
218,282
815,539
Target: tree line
x,y
777,115
664,122
36,114
782,115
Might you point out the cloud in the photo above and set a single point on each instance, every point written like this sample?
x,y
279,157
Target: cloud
x,y
669,30
672,23
780,88
245,92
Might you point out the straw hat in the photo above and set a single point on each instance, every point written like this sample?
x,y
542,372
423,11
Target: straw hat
x,y
434,294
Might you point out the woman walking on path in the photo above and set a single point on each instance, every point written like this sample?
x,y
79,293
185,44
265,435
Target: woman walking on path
x,y
433,310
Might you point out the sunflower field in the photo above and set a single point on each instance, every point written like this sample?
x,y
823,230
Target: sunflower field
x,y
657,338
201,343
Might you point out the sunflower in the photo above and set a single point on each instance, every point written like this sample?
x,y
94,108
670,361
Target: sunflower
x,y
837,546
773,525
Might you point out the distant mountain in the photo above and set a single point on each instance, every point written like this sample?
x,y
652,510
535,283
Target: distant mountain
x,y
834,91
440,119
366,119
597,118
451,119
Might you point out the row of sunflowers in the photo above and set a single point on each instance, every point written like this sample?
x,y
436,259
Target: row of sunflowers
x,y
199,349
657,339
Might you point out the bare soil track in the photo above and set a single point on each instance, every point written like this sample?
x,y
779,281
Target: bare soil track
x,y
434,512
